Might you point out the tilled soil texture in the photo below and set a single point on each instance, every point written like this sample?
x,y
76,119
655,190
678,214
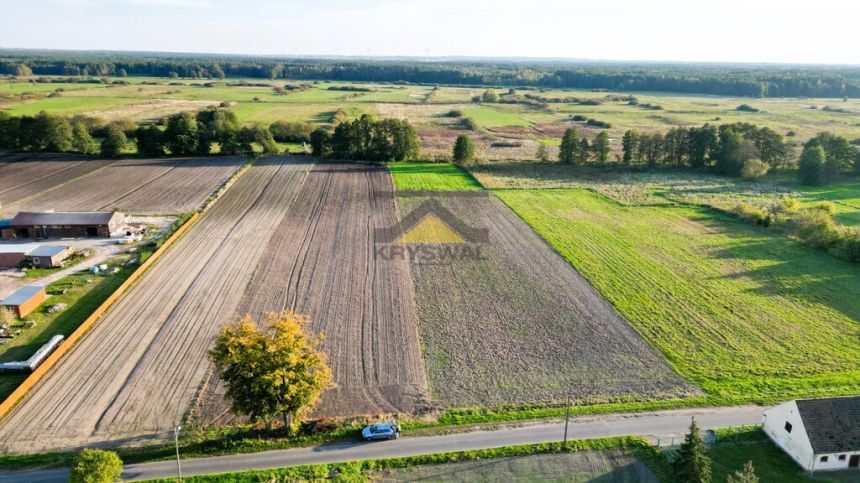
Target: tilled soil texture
x,y
132,378
25,175
321,263
517,324
143,186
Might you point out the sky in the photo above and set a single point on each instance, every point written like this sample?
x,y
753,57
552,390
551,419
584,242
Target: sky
x,y
774,31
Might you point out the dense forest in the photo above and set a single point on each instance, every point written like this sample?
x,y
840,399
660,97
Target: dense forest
x,y
718,79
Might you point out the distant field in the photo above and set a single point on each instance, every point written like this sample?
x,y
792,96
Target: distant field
x,y
425,106
745,313
431,177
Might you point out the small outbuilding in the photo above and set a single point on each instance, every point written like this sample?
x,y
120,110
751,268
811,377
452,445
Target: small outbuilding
x,y
11,256
51,224
48,256
819,434
25,299
6,229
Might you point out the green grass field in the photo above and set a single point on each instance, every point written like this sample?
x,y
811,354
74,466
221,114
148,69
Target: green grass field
x,y
746,314
731,453
431,177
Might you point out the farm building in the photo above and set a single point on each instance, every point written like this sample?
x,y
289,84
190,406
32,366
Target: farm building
x,y
65,224
819,434
48,256
12,255
25,299
6,229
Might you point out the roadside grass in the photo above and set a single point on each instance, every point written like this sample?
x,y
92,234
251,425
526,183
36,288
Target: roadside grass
x,y
369,470
732,451
431,177
748,315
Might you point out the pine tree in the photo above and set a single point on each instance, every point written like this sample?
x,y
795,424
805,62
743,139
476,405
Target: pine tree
x,y
600,146
746,475
693,464
628,145
568,147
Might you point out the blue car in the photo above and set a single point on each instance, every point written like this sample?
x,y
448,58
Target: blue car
x,y
381,431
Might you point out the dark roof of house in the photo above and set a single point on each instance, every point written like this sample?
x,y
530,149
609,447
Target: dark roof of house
x,y
22,295
26,218
47,251
832,424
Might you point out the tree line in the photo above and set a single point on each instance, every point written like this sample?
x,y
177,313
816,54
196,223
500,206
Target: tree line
x,y
777,81
742,150
181,134
367,139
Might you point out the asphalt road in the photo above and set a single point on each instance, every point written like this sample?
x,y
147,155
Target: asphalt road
x,y
662,423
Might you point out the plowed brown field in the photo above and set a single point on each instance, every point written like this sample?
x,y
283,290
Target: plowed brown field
x,y
321,263
520,325
26,175
151,186
134,375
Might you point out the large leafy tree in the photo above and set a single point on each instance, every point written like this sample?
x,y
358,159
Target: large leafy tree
x,y
275,368
812,166
114,141
693,464
82,141
181,134
95,466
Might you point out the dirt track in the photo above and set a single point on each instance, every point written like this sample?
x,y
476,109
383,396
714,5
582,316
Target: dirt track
x,y
134,375
151,186
321,263
521,325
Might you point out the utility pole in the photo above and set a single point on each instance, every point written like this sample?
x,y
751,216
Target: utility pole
x,y
566,420
176,440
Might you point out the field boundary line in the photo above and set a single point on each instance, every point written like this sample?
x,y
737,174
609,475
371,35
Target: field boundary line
x,y
21,391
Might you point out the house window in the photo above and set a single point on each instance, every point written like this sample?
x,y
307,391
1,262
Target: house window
x,y
824,459
787,427
842,457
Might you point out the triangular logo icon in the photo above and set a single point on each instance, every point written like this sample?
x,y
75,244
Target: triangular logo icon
x,y
431,230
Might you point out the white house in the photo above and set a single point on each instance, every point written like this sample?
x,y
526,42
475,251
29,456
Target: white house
x,y
819,434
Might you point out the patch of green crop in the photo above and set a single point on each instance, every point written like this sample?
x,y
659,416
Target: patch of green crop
x,y
747,314
432,177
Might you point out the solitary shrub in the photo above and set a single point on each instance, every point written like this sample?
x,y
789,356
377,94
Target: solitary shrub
x,y
464,149
754,168
600,124
455,113
95,466
747,108
579,118
489,96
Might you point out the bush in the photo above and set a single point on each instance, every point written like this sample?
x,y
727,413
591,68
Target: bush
x,y
752,214
455,113
579,118
464,150
754,168
598,124
747,108
95,466
469,123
